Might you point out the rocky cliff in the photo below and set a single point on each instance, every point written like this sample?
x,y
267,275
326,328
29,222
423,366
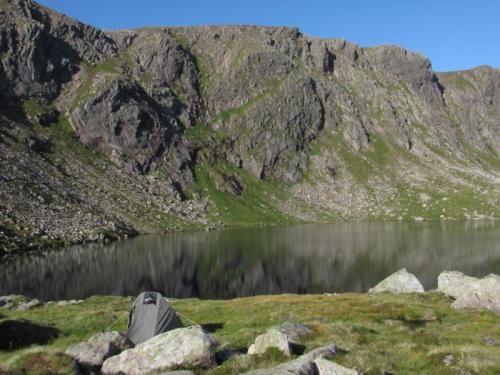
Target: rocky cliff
x,y
108,134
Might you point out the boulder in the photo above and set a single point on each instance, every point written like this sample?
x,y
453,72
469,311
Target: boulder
x,y
293,330
399,282
453,283
182,347
326,367
271,339
303,365
483,294
93,352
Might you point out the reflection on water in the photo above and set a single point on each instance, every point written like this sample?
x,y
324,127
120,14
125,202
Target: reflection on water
x,y
241,262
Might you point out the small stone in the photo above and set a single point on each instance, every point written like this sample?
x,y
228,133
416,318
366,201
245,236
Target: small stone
x,y
489,340
271,339
448,360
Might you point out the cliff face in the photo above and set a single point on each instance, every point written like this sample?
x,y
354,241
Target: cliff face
x,y
163,128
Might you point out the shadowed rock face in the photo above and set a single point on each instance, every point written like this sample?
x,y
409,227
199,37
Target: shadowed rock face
x,y
269,102
126,123
42,49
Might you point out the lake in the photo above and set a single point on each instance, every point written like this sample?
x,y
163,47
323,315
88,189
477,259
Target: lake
x,y
313,258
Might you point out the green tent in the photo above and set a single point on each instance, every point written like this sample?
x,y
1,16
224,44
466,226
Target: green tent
x,y
149,316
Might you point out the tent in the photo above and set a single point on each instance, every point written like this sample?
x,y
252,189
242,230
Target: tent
x,y
149,316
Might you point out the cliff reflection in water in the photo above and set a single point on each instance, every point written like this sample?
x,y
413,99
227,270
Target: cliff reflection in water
x,y
241,262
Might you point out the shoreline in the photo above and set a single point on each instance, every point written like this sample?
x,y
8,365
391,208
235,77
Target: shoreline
x,y
60,244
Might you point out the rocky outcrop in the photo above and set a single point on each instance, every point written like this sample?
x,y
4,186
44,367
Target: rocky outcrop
x,y
91,354
128,125
399,282
182,347
413,68
42,49
272,339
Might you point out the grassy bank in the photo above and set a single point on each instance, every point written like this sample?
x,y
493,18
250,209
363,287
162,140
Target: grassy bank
x,y
404,334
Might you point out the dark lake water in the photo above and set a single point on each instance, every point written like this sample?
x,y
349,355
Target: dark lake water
x,y
316,258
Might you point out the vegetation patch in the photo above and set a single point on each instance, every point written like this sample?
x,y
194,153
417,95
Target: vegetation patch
x,y
254,206
407,334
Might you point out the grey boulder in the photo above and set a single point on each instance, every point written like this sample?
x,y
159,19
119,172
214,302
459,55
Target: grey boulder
x,y
483,294
326,367
303,365
454,283
271,339
399,282
182,347
93,352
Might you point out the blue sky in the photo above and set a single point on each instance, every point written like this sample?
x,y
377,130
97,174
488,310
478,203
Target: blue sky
x,y
455,35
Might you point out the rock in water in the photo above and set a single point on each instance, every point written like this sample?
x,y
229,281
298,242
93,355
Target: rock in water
x,y
482,294
399,282
92,353
271,339
326,367
304,365
182,347
453,283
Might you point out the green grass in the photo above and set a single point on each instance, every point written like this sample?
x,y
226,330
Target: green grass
x,y
253,207
408,333
360,165
33,107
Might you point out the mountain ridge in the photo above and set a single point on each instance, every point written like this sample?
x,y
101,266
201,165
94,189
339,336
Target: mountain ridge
x,y
155,129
